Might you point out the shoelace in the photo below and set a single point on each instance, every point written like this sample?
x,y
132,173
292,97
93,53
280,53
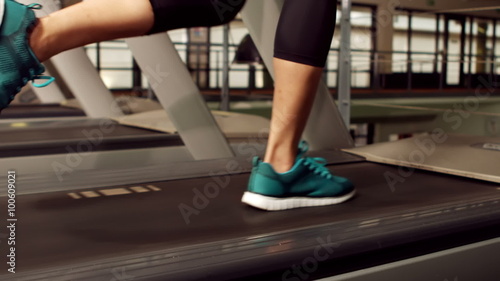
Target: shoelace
x,y
314,164
50,79
35,6
34,77
317,166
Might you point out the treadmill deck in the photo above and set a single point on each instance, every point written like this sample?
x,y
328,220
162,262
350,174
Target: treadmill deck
x,y
92,233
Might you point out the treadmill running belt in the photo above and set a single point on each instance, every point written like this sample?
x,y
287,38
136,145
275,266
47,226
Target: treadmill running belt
x,y
57,230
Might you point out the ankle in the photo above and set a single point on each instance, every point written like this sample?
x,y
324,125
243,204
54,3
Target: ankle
x,y
281,167
281,156
280,162
37,42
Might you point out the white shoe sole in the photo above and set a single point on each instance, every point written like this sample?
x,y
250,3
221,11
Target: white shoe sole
x,y
2,6
277,204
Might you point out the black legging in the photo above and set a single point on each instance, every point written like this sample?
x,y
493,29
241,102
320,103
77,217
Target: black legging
x,y
304,32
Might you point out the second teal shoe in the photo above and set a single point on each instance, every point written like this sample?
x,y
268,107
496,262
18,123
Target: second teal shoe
x,y
18,64
308,183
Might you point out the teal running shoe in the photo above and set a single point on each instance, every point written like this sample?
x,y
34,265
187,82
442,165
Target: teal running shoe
x,y
308,183
18,64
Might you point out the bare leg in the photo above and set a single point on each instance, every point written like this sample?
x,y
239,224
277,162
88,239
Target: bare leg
x,y
295,89
88,22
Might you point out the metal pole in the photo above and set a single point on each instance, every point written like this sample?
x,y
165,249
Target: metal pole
x,y
217,77
436,46
471,39
444,67
198,58
224,104
344,85
375,79
409,64
462,52
492,64
375,71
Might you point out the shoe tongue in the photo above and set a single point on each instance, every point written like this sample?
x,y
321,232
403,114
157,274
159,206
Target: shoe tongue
x,y
303,147
256,161
2,8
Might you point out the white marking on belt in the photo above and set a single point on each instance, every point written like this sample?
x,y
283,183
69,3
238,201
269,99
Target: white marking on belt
x,y
89,194
115,191
74,196
153,187
139,189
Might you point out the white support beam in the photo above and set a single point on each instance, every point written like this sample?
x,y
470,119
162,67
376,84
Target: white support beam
x,y
325,128
2,8
177,92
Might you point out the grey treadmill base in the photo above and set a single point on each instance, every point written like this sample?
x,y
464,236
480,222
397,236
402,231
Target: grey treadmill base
x,y
477,261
